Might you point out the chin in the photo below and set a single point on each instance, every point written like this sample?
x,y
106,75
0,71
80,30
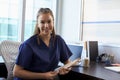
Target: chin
x,y
46,34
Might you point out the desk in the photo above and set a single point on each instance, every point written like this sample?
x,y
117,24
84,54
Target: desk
x,y
97,70
3,69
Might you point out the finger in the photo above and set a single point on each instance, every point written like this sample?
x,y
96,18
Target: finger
x,y
63,71
54,72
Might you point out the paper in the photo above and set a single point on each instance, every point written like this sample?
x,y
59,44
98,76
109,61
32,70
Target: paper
x,y
73,63
70,64
114,68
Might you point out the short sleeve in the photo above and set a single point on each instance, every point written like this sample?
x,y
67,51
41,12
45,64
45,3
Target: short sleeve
x,y
25,56
65,52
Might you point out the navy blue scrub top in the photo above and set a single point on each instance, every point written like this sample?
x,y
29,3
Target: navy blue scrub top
x,y
41,58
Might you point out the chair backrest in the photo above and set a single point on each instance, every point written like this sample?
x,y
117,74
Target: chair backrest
x,y
9,51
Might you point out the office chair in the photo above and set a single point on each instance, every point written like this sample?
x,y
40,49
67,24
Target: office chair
x,y
9,52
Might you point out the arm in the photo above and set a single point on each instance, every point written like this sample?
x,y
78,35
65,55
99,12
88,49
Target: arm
x,y
68,65
66,62
18,71
23,61
64,70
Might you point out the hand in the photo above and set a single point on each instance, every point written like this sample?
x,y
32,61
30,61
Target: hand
x,y
64,70
50,75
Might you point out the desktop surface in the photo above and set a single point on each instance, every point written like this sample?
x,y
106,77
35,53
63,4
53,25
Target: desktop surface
x,y
97,70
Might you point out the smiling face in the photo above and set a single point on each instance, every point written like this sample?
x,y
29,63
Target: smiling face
x,y
45,24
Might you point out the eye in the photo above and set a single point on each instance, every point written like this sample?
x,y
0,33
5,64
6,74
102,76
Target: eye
x,y
42,22
49,21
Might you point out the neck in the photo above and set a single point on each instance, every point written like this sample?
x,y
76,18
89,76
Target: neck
x,y
45,37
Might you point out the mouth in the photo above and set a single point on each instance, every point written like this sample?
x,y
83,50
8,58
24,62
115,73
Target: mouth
x,y
45,30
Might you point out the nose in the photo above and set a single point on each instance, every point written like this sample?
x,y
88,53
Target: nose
x,y
46,24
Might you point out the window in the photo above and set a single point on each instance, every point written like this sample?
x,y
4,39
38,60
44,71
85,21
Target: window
x,y
9,19
70,24
18,18
102,21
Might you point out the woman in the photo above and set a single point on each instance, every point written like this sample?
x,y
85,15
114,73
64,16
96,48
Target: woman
x,y
40,54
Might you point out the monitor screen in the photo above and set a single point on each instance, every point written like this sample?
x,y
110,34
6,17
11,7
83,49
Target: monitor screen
x,y
76,50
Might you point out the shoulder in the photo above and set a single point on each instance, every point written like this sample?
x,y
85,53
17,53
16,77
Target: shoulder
x,y
58,37
32,40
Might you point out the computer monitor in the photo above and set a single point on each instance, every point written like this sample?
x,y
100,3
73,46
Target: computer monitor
x,y
76,50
